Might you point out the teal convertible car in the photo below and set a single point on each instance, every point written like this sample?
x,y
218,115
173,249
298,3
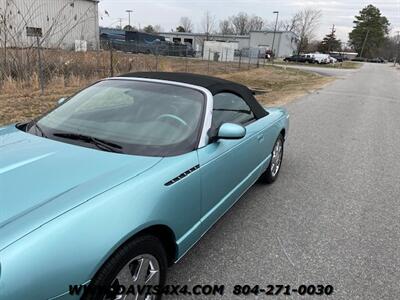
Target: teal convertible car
x,y
120,180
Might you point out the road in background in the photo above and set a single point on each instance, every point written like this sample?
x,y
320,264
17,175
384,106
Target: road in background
x,y
325,71
333,216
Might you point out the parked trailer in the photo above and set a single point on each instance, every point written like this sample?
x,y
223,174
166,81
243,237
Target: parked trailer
x,y
141,42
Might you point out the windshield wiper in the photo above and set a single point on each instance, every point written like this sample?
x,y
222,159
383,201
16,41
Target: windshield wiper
x,y
99,143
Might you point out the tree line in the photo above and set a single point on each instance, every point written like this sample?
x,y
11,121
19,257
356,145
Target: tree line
x,y
369,36
303,23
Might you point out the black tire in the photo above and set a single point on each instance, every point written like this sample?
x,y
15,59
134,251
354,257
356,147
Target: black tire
x,y
269,176
142,245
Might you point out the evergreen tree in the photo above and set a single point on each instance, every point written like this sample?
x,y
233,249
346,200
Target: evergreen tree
x,y
149,29
369,31
330,43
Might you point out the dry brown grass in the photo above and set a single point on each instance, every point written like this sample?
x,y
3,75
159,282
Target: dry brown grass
x,y
21,100
280,85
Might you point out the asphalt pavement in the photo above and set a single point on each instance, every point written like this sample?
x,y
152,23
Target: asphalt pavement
x,y
333,215
323,70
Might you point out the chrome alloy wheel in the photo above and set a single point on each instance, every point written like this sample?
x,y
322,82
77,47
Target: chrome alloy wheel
x,y
143,270
276,157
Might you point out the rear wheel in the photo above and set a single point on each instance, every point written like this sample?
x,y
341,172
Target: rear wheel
x,y
272,172
141,262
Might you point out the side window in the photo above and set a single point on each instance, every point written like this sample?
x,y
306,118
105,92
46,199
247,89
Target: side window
x,y
230,108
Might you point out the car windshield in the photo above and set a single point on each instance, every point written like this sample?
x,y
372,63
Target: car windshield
x,y
136,117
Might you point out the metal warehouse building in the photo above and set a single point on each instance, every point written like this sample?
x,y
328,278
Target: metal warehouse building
x,y
63,22
285,41
197,39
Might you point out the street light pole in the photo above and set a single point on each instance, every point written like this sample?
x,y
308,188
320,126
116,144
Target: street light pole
x,y
129,11
397,49
273,39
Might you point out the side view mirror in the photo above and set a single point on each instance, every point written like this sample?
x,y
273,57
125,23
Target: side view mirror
x,y
61,100
231,131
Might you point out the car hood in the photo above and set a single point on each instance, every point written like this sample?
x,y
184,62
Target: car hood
x,y
42,178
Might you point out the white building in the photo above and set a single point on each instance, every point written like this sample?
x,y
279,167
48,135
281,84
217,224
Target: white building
x,y
219,51
63,22
285,43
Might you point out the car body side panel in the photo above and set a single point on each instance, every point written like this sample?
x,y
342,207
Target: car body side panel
x,y
222,171
228,168
71,248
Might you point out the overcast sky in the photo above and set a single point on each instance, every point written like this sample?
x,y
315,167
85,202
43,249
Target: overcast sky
x,y
167,13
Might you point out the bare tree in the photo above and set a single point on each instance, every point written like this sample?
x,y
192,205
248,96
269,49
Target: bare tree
x,y
304,24
255,23
208,23
283,25
186,24
158,28
240,23
16,16
225,27
287,25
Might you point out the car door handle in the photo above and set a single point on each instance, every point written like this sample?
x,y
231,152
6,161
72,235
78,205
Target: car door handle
x,y
260,137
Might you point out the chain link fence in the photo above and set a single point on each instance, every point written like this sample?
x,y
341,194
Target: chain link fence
x,y
114,58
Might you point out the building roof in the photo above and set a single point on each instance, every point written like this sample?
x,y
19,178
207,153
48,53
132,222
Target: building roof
x,y
213,84
271,31
203,34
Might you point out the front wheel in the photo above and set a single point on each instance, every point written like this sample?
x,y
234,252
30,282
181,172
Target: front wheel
x,y
141,262
272,172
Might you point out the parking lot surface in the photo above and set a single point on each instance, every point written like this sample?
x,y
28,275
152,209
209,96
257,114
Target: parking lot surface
x,y
333,216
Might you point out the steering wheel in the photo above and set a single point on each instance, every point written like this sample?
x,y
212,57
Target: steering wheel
x,y
172,117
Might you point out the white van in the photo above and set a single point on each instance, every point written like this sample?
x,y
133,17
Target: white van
x,y
319,58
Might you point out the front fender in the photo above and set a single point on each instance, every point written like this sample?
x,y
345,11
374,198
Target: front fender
x,y
70,249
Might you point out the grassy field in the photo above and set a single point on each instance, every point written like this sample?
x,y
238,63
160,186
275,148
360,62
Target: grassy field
x,y
21,101
339,65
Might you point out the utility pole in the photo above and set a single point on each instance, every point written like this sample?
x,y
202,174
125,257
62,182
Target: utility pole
x,y
120,23
273,39
333,30
363,45
398,48
129,11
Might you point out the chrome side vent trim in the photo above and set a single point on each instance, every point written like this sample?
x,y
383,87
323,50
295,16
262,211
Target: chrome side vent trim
x,y
181,176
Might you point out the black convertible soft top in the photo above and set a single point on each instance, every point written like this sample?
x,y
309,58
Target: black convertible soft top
x,y
213,84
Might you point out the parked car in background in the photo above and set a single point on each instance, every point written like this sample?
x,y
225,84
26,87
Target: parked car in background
x,y
309,59
332,60
338,57
358,58
378,60
295,58
319,58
